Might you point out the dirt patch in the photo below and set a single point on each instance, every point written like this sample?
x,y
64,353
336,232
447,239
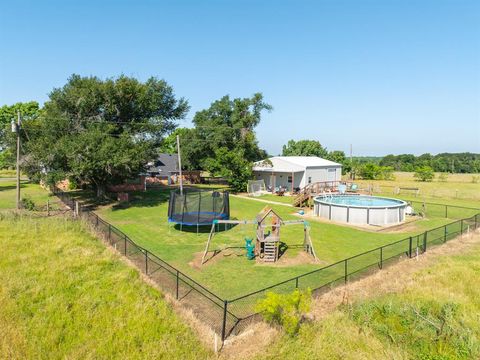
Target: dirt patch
x,y
284,261
214,256
301,258
408,226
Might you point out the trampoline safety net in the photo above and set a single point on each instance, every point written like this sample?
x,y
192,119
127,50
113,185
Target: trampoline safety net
x,y
198,207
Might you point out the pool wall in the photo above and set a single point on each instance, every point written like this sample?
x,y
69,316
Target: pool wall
x,y
360,215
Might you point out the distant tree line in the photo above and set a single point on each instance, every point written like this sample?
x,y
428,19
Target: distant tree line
x,y
445,162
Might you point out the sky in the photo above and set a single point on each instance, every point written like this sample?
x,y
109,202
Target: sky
x,y
387,76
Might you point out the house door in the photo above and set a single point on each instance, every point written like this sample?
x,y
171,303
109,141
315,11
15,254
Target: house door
x,y
332,175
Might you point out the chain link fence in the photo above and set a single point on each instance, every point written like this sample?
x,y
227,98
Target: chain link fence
x,y
227,317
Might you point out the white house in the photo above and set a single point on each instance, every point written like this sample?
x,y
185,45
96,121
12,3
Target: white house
x,y
293,172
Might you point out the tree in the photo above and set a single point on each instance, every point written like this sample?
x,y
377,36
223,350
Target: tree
x,y
223,140
304,148
424,173
103,131
169,143
29,111
370,171
339,157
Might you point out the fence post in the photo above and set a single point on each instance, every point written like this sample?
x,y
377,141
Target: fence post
x,y
96,225
296,283
381,257
445,234
176,296
146,262
124,243
224,324
346,271
446,211
109,232
410,247
476,221
425,241
461,227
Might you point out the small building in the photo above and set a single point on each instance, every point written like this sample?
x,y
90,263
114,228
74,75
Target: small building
x,y
165,170
295,172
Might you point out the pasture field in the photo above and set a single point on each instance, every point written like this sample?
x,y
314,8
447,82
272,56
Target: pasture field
x,y
460,188
64,295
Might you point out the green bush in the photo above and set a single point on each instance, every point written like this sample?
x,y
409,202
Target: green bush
x,y
27,204
424,173
443,177
286,310
371,171
72,184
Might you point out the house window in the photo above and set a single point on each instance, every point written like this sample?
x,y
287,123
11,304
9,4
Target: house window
x,y
290,179
309,179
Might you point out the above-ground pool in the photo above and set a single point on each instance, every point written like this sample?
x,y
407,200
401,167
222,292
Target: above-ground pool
x,y
360,209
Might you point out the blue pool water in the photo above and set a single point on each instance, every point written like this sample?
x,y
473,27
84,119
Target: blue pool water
x,y
359,200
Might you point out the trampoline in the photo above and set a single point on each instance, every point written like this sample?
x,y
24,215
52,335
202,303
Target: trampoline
x,y
196,208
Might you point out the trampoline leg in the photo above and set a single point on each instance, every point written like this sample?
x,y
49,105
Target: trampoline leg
x,y
197,229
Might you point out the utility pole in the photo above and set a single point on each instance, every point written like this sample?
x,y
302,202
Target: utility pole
x,y
351,162
17,130
180,164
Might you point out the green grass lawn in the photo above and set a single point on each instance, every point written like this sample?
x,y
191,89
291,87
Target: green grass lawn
x,y
27,190
63,295
230,274
276,198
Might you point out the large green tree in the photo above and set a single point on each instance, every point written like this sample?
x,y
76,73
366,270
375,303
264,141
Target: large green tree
x,y
29,111
223,140
102,131
304,148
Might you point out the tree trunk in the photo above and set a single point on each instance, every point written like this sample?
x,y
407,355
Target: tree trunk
x,y
101,189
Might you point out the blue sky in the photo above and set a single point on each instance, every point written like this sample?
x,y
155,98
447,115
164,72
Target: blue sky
x,y
387,76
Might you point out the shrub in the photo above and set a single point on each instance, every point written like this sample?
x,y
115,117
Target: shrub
x,y
475,179
72,184
386,173
371,171
424,173
27,204
443,177
286,310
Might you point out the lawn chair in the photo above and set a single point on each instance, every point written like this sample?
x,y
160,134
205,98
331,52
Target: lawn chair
x,y
354,188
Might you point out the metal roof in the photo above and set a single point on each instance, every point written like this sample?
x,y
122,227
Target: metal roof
x,y
293,163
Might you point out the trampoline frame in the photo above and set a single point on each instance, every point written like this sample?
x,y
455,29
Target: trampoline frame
x,y
194,218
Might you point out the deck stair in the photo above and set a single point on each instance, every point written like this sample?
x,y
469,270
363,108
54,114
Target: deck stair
x,y
314,189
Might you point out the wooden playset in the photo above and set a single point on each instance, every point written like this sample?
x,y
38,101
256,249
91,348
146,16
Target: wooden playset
x,y
268,224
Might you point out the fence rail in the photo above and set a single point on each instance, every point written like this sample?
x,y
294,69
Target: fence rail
x,y
228,317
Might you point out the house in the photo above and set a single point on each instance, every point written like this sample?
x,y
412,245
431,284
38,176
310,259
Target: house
x,y
292,172
165,170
